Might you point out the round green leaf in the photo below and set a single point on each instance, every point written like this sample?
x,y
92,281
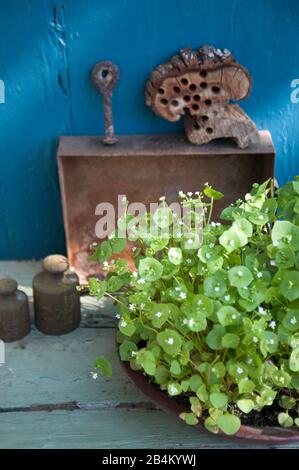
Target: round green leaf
x,y
214,286
174,389
159,314
126,349
294,360
103,365
170,341
214,337
291,320
229,423
228,315
285,420
245,405
147,360
175,255
218,400
240,276
150,269
230,340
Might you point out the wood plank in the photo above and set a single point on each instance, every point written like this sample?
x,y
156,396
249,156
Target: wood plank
x,y
56,369
107,429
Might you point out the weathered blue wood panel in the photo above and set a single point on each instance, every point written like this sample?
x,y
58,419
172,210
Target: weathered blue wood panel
x,y
47,48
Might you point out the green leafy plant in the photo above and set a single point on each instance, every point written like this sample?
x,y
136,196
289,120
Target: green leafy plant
x,y
218,323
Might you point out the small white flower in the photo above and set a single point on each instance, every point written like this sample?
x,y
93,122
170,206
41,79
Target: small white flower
x,y
259,275
158,314
249,360
270,341
275,243
260,217
132,307
272,262
142,305
181,194
189,241
289,238
281,380
218,224
189,193
170,341
293,320
177,289
213,224
227,297
213,369
94,375
240,370
182,295
134,248
231,243
191,322
172,390
206,183
106,264
208,255
189,261
133,353
216,288
185,321
141,281
199,302
162,198
255,339
117,316
240,274
123,324
272,324
234,316
262,311
135,274
124,199
211,245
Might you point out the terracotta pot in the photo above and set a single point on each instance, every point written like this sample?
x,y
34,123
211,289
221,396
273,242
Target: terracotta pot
x,y
266,435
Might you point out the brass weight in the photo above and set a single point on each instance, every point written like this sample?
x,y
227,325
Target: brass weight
x,y
56,299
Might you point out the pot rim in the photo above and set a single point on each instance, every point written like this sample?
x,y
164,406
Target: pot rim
x,y
260,435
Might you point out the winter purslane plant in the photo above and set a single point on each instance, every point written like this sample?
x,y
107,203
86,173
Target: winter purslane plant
x,y
218,323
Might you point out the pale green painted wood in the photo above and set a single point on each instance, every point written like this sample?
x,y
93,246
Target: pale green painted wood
x,y
52,370
107,429
56,369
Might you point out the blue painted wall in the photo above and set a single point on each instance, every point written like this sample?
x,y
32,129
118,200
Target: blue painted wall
x,y
47,48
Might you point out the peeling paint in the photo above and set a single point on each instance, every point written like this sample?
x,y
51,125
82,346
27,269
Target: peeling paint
x,y
47,50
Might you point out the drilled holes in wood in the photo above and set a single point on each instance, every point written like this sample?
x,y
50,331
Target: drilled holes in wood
x,y
209,130
175,103
184,81
187,98
196,98
161,91
216,90
192,87
176,89
196,126
195,107
204,85
164,101
203,73
208,102
205,118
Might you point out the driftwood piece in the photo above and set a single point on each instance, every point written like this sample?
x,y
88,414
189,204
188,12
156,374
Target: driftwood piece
x,y
200,86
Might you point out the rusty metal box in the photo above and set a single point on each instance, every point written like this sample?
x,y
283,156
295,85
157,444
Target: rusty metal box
x,y
144,167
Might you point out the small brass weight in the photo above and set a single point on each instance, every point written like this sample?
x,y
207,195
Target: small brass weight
x,y
105,76
56,299
14,311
